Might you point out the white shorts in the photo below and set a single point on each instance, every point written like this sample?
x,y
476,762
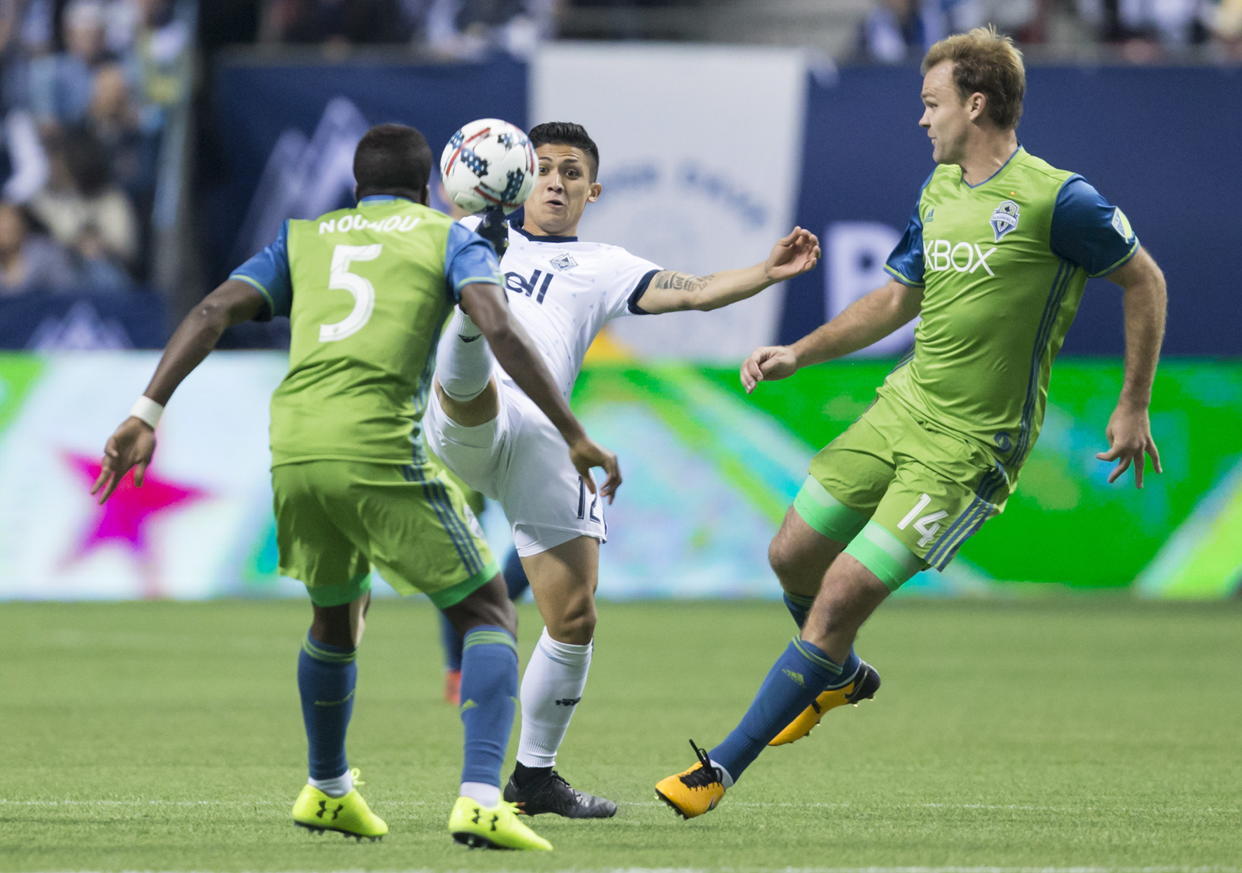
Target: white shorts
x,y
520,460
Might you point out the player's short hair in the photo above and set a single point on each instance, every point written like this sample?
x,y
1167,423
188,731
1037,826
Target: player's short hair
x,y
566,133
986,62
391,157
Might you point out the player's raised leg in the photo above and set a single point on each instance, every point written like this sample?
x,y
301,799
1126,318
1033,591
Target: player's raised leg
x,y
327,673
812,535
821,657
563,579
487,622
463,381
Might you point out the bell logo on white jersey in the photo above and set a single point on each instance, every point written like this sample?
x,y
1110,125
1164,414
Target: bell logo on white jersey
x,y
519,284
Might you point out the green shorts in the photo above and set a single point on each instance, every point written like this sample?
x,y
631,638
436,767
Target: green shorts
x,y
902,495
336,519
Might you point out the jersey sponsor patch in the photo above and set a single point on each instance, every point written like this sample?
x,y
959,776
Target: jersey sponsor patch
x,y
519,284
963,257
575,287
1121,224
1004,218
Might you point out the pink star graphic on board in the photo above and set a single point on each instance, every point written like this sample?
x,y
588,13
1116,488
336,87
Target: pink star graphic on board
x,y
124,519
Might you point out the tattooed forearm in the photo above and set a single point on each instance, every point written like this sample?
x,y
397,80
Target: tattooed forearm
x,y
681,281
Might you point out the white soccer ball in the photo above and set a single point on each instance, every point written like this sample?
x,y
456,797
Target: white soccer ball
x,y
488,162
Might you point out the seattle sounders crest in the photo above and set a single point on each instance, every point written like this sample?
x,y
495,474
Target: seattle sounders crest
x,y
1004,218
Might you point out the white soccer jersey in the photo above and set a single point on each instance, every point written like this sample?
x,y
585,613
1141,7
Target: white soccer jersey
x,y
563,292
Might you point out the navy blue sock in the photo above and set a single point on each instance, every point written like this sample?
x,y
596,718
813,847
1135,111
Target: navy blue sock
x,y
799,607
450,642
798,676
326,676
489,681
515,581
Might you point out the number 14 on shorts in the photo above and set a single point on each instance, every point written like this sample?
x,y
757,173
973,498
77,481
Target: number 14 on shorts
x,y
928,525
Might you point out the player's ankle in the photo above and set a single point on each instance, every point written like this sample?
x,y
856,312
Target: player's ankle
x,y
524,775
335,787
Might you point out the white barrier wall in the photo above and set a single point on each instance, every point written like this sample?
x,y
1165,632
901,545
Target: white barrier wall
x,y
699,151
709,474
197,527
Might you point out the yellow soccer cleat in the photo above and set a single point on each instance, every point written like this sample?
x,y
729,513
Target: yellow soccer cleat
x,y
492,827
348,815
695,791
866,683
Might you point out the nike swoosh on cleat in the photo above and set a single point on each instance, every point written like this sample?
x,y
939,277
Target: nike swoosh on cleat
x,y
468,339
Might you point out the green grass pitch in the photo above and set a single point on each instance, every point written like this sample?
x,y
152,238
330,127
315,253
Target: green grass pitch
x,y
1077,735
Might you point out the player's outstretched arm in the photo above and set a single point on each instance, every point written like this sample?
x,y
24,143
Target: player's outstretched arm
x,y
1129,427
670,291
486,305
133,442
866,320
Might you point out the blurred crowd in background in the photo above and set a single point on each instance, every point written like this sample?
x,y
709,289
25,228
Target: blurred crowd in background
x,y
87,86
1140,30
878,31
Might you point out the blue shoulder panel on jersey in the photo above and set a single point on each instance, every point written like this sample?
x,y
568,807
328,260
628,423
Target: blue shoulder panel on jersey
x,y
468,258
268,271
905,264
639,290
1088,230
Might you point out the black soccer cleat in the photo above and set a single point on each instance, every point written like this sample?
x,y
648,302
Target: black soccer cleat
x,y
495,229
553,794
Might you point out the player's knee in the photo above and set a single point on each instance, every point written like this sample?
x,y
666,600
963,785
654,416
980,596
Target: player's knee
x,y
505,616
498,611
778,558
472,411
844,604
790,568
489,605
575,625
333,626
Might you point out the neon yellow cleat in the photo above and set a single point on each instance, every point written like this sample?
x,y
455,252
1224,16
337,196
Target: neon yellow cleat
x,y
695,791
492,827
348,815
864,686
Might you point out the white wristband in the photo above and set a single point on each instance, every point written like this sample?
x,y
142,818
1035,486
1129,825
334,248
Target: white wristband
x,y
147,410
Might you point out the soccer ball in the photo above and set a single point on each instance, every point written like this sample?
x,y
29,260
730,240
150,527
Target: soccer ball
x,y
488,162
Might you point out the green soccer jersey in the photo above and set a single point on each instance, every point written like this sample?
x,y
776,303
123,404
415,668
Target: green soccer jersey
x,y
1003,265
366,291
